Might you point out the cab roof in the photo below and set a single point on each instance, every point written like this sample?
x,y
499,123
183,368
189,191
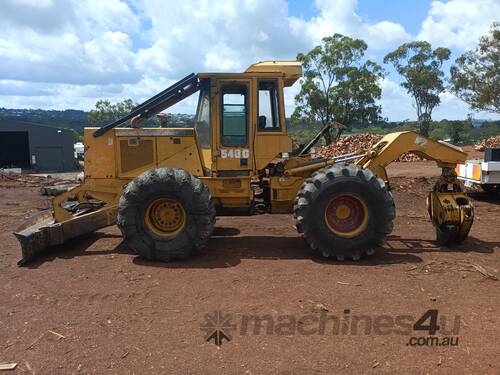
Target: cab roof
x,y
289,70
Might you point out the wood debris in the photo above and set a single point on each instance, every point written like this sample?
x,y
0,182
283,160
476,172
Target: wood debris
x,y
478,268
358,142
7,366
57,334
34,342
26,180
320,307
488,142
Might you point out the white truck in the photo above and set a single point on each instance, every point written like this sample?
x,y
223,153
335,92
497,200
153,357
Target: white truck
x,y
485,173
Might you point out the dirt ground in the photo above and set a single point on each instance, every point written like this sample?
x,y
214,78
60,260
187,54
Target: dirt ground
x,y
91,306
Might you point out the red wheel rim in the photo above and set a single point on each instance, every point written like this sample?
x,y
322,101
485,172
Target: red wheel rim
x,y
346,215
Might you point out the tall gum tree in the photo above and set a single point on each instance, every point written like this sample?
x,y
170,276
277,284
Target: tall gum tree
x,y
423,78
338,84
475,76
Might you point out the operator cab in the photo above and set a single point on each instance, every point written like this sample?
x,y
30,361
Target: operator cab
x,y
239,123
240,120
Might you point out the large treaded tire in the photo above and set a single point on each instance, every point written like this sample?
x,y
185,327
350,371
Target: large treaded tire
x,y
173,183
326,184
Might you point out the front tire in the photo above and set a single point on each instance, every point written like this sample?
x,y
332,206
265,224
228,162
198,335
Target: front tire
x,y
344,212
165,214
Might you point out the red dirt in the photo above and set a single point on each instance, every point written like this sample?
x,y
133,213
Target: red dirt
x,y
121,314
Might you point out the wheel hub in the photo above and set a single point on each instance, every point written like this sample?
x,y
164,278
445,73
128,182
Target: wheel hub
x,y
165,216
346,215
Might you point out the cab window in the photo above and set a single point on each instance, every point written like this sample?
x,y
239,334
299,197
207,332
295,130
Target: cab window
x,y
234,115
202,118
269,119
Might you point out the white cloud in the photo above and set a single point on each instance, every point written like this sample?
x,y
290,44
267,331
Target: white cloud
x,y
289,97
396,103
70,53
339,16
459,23
91,43
84,42
215,36
95,44
222,57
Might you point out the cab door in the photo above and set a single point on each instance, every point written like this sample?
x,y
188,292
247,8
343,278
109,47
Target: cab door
x,y
271,138
234,138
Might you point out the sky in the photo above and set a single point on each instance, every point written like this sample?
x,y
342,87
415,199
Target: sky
x,y
61,54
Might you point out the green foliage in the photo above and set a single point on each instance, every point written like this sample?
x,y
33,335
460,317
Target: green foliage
x,y
77,137
458,132
105,112
475,77
420,66
387,127
337,84
302,132
489,129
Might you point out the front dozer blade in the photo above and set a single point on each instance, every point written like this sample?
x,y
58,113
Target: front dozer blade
x,y
41,231
34,235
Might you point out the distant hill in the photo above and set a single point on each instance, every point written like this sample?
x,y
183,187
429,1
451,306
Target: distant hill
x,y
73,119
69,119
300,132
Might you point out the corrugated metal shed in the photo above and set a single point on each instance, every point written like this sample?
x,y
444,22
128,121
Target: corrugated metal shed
x,y
37,147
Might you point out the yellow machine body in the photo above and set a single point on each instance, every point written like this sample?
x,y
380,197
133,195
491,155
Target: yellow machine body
x,y
227,159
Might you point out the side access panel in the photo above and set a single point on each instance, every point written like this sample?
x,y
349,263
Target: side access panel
x,y
127,152
143,149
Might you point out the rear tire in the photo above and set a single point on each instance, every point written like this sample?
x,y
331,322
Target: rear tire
x,y
165,214
359,229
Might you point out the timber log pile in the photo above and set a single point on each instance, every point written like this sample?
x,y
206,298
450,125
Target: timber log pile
x,y
488,142
356,142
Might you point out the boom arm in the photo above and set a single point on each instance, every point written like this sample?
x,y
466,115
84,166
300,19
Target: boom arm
x,y
167,98
387,150
394,145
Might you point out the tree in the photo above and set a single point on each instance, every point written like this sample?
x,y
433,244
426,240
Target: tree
x,y
421,69
337,85
77,137
475,76
106,112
